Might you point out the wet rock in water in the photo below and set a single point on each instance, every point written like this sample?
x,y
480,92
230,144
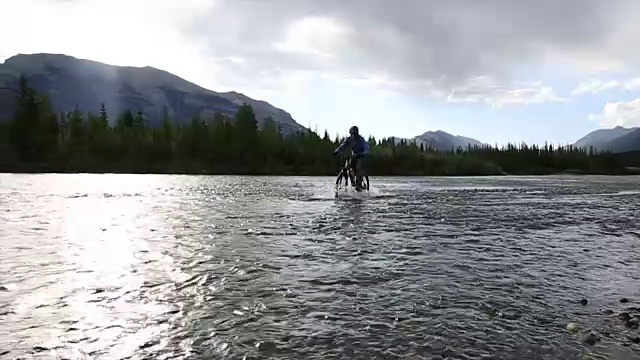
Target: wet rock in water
x,y
3,288
584,302
573,328
624,300
624,316
268,346
608,312
633,323
448,352
509,314
634,339
591,338
414,357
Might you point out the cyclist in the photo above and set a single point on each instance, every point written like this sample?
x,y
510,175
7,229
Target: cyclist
x,y
359,147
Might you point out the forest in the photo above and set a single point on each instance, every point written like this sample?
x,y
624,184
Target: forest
x,y
41,139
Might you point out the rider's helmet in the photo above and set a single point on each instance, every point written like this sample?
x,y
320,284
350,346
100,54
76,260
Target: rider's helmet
x,y
353,131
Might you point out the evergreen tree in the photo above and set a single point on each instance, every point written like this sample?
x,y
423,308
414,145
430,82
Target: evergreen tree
x,y
74,141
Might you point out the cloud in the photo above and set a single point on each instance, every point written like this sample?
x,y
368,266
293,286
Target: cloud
x,y
315,36
118,32
625,114
423,47
594,86
485,89
444,44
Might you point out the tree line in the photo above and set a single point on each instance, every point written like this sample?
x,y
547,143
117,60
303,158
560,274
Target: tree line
x,y
40,139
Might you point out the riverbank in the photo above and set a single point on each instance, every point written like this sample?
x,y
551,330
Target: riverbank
x,y
45,169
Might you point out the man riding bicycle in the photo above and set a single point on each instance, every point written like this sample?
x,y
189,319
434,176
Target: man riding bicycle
x,y
359,147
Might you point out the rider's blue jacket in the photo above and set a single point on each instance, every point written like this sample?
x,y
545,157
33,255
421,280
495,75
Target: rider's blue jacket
x,y
359,146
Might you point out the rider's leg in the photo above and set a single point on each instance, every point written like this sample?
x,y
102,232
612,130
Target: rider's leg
x,y
351,172
357,173
361,170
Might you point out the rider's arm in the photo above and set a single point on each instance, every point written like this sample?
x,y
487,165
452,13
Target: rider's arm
x,y
341,147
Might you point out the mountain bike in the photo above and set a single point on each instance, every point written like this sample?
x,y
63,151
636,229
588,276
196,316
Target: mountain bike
x,y
347,173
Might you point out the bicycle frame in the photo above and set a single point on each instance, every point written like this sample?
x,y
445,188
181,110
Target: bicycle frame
x,y
348,173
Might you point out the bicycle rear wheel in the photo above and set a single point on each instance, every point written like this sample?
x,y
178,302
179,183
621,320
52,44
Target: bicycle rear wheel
x,y
363,182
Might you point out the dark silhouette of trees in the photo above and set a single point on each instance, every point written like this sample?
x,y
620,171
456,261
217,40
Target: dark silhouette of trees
x,y
39,139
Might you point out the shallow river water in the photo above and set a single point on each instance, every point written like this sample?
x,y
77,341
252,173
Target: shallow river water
x,y
228,267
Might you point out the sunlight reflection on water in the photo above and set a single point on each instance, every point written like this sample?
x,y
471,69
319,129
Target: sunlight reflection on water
x,y
135,266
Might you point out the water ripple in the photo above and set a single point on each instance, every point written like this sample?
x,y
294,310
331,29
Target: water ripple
x,y
192,267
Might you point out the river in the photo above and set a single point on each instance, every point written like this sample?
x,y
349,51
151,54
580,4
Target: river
x,y
230,267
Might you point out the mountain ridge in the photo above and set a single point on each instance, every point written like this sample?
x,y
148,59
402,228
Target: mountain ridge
x,y
71,81
84,83
617,139
440,140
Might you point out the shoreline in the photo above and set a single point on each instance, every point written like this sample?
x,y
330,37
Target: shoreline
x,y
304,174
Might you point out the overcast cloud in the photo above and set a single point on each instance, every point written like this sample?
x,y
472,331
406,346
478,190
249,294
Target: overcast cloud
x,y
443,43
424,46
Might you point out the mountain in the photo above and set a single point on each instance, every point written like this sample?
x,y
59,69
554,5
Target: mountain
x,y
616,140
602,137
445,141
72,82
630,141
441,140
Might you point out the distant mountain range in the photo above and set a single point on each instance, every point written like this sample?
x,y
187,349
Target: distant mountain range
x,y
72,82
619,139
441,140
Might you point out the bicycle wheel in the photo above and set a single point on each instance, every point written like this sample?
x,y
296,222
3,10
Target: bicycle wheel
x,y
339,179
361,183
364,182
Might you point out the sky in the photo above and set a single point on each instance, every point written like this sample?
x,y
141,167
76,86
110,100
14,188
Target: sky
x,y
496,70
